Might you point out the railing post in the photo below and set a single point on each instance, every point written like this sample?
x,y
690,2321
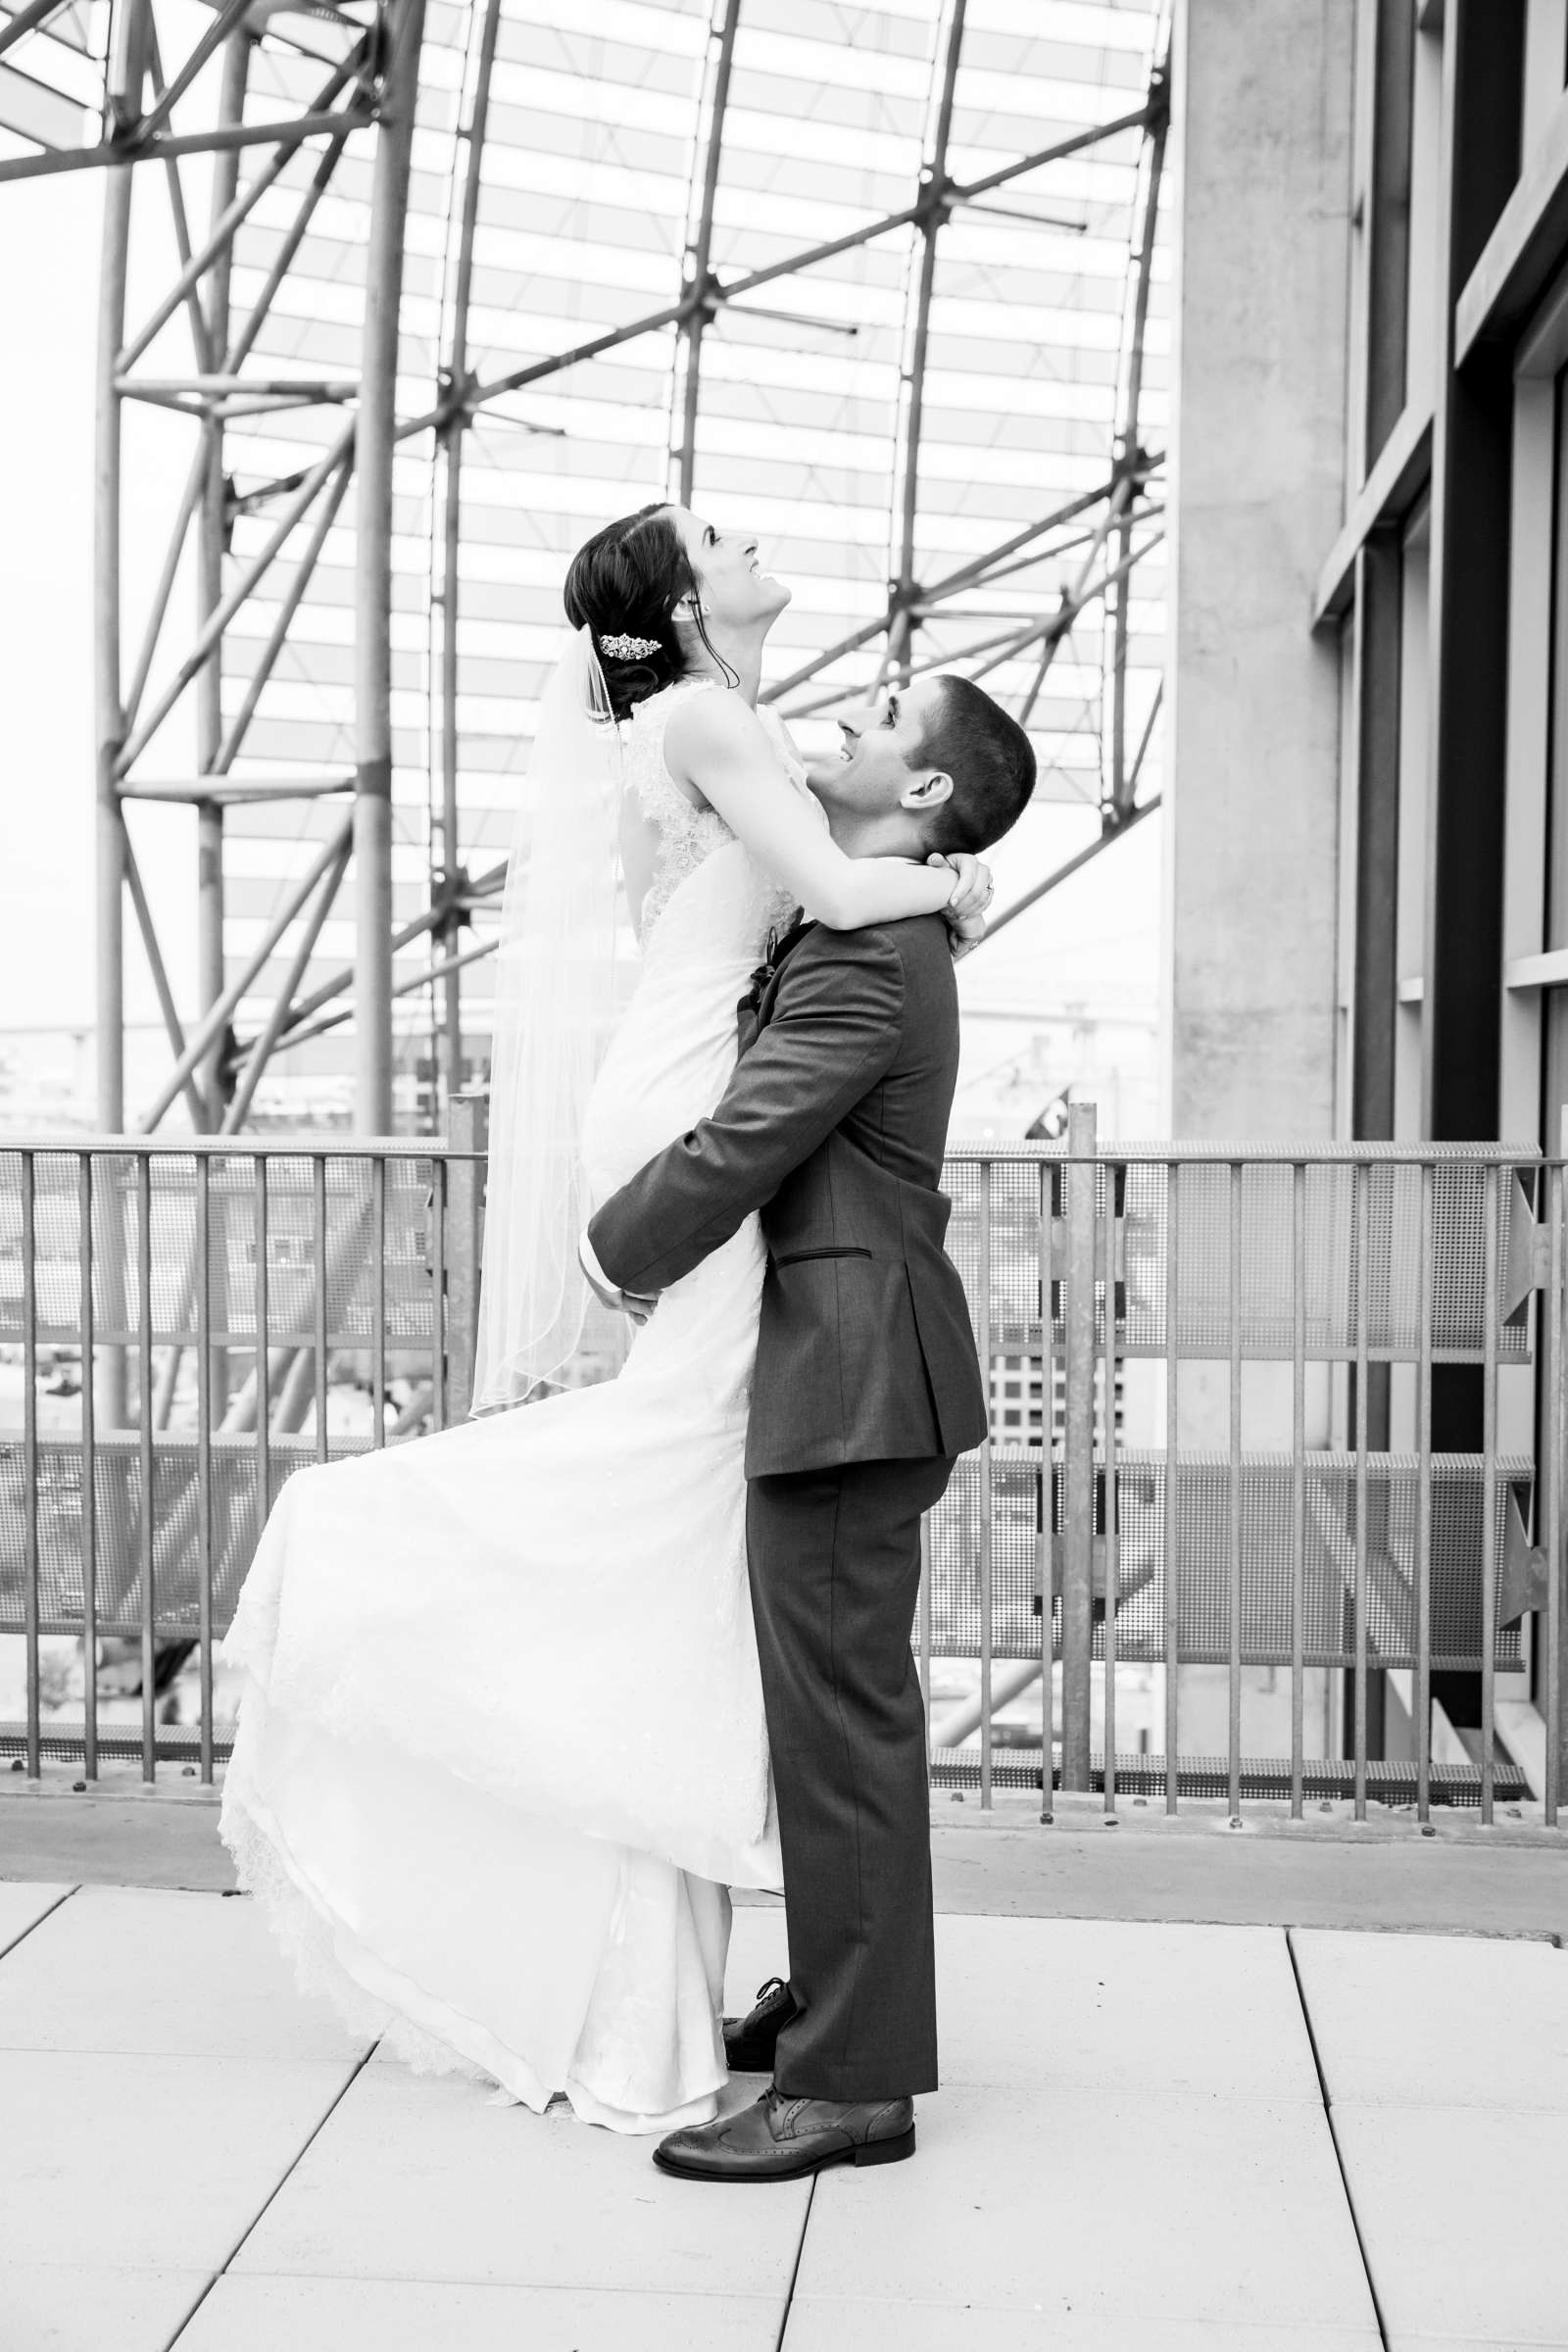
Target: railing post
x,y
1078,1548
469,1134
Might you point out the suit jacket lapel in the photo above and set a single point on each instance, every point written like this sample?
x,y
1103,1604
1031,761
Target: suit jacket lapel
x,y
755,1007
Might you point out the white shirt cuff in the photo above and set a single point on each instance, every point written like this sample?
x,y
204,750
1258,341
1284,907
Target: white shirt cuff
x,y
591,1267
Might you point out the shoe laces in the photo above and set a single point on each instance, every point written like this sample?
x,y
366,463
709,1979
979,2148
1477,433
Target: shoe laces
x,y
784,2110
770,1996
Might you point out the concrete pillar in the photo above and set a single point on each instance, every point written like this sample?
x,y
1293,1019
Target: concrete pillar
x,y
1263,95
1263,100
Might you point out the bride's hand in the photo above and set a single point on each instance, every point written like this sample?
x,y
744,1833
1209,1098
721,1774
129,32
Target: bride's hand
x,y
965,912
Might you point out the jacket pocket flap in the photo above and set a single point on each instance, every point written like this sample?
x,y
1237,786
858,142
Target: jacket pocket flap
x,y
794,1257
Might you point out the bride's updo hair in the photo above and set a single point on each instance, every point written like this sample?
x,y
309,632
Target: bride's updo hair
x,y
626,582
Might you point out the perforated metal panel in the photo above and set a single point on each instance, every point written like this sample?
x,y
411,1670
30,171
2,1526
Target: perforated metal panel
x,y
296,1248
1201,1557
1022,1191
118,1501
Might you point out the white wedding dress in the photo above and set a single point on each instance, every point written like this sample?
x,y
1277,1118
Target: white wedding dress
x,y
501,1750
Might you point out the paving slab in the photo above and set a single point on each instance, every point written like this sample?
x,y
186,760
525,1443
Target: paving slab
x,y
126,1968
1073,2203
1460,2210
818,2323
24,1903
149,2163
372,2315
55,2307
1438,2020
420,2176
1100,2005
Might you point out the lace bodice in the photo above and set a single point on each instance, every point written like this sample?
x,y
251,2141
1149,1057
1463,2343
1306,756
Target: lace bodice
x,y
687,834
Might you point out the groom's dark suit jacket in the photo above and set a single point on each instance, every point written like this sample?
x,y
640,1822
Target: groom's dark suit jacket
x,y
833,1126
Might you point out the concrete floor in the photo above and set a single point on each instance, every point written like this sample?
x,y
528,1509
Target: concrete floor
x,y
1153,2134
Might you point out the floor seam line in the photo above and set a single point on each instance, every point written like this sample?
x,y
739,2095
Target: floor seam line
x,y
482,2281
1334,2139
794,2270
33,1925
276,2191
191,2314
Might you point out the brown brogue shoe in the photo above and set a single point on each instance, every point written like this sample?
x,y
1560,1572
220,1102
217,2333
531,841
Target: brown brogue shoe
x,y
783,2138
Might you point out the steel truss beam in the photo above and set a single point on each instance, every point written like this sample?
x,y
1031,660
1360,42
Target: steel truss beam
x,y
700,293
935,203
153,112
25,19
115,154
147,109
376,437
1123,498
446,873
1159,130
675,313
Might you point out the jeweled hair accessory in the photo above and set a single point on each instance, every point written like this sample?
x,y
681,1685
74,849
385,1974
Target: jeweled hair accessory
x,y
628,649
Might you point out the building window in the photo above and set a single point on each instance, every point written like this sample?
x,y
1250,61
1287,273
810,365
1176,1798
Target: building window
x,y
1389,211
1555,914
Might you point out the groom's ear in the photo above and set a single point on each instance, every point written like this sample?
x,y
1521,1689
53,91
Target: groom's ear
x,y
926,792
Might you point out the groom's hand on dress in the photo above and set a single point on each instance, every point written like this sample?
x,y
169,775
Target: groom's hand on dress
x,y
635,1303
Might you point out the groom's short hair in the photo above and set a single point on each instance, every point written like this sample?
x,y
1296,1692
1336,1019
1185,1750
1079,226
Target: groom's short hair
x,y
990,759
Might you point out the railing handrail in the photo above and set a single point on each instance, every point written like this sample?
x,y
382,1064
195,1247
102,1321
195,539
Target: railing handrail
x,y
315,1142
307,1144
1259,1154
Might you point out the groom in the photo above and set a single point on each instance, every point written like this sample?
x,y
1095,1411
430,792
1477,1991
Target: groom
x,y
866,1387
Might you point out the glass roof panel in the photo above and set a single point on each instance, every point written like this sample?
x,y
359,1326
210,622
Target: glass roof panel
x,y
600,119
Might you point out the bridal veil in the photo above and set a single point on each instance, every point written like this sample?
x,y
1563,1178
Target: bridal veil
x,y
566,966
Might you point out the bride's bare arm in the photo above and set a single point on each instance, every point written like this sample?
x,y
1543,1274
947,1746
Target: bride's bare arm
x,y
716,745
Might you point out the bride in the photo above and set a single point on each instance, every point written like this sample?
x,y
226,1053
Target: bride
x,y
500,1751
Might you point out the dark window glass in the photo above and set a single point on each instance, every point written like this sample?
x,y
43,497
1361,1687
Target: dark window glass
x,y
1389,221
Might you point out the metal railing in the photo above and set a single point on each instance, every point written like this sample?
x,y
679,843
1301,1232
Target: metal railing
x,y
1335,1344
204,1290
1312,1458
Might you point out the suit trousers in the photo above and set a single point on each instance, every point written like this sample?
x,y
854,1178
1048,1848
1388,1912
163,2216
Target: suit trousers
x,y
835,1574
